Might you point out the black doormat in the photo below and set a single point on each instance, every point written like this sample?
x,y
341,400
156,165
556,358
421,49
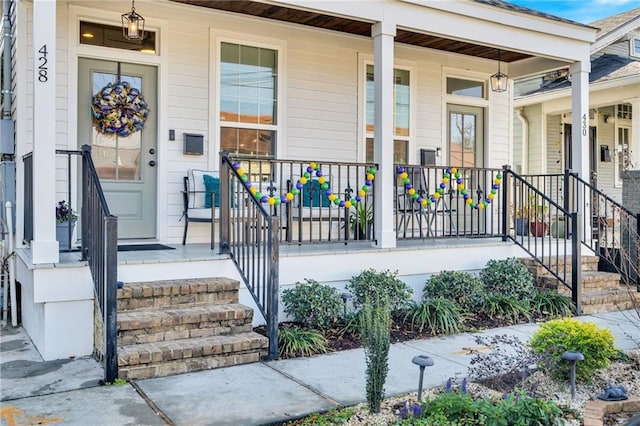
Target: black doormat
x,y
143,247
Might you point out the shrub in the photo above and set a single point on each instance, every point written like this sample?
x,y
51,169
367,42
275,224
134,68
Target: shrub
x,y
557,336
375,323
550,302
508,277
296,341
437,315
504,306
377,286
462,287
313,304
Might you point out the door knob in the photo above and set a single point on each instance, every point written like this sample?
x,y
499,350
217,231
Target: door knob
x,y
152,151
152,163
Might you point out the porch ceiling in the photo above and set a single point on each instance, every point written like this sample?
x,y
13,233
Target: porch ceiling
x,y
352,26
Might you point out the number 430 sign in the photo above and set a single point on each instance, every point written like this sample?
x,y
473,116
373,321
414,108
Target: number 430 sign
x,y
43,70
585,124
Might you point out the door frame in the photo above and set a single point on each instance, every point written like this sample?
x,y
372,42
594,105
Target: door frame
x,y
159,60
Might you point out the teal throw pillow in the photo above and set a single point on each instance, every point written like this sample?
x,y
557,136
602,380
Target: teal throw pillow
x,y
314,196
211,184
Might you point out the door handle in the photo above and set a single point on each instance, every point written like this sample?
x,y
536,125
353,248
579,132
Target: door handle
x,y
152,163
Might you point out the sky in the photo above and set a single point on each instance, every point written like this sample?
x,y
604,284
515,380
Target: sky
x,y
583,11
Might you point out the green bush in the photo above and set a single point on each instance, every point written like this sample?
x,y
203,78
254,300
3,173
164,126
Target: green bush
x,y
313,304
557,336
550,302
462,287
496,305
375,325
378,286
508,277
296,341
437,315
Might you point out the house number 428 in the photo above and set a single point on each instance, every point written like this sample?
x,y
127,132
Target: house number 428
x,y
584,124
43,70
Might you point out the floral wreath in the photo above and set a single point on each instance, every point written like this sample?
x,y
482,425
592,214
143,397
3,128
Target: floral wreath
x,y
312,168
119,109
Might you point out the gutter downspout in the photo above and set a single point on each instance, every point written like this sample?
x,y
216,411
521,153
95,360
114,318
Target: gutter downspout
x,y
524,160
7,126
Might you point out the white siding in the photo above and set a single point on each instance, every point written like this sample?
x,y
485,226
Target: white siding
x,y
536,149
554,144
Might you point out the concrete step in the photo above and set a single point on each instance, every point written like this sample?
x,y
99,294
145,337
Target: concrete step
x,y
159,294
166,358
182,322
591,281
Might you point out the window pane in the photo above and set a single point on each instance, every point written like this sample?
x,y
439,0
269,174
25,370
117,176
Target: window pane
x,y
400,151
248,84
401,96
636,46
247,141
111,36
462,140
456,86
370,98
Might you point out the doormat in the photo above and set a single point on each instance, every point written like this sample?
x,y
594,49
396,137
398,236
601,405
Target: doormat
x,y
143,247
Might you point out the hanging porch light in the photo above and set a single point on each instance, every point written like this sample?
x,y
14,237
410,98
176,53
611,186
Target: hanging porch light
x,y
132,24
499,80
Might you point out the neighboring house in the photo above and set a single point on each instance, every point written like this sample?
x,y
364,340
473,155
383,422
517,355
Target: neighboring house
x,y
542,123
286,80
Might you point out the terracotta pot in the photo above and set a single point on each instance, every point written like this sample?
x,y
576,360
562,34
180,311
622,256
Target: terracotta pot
x,y
538,229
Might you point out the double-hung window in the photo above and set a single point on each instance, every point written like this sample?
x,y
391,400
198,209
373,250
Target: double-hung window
x,y
401,115
248,99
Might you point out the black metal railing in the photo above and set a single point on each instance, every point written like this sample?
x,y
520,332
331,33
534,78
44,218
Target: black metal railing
x,y
249,233
444,202
315,202
543,228
100,249
68,226
612,232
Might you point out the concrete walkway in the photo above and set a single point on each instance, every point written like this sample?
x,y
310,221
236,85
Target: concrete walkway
x,y
67,391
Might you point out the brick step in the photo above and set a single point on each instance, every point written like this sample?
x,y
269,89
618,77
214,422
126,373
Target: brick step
x,y
591,281
607,301
159,294
176,322
161,359
587,263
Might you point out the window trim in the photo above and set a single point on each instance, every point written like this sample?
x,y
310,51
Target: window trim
x,y
632,46
364,61
216,124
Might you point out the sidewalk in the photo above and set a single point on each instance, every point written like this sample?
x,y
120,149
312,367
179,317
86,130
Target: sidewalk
x,y
67,391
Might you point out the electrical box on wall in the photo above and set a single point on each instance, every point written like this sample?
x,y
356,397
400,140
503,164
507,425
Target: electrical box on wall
x,y
427,157
193,144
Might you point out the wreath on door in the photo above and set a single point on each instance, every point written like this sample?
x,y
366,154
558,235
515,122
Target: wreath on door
x,y
119,109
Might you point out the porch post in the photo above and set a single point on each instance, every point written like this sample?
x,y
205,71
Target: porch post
x,y
383,38
635,133
580,118
44,247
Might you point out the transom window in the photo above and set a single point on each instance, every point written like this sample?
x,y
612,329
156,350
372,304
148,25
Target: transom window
x,y
401,114
461,87
96,34
248,99
624,111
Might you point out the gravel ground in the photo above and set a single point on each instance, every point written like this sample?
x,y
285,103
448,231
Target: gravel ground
x,y
618,373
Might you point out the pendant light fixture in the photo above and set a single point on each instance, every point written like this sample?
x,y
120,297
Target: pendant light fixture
x,y
499,80
132,24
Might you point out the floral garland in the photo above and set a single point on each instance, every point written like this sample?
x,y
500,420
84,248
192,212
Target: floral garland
x,y
456,183
312,169
119,109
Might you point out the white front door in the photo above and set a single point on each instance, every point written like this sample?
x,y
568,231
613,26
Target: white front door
x,y
124,156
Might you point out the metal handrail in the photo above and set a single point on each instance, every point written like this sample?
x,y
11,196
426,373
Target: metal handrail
x,y
548,250
250,235
100,249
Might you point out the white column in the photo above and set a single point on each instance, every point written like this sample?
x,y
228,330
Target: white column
x,y
44,247
383,38
635,133
580,118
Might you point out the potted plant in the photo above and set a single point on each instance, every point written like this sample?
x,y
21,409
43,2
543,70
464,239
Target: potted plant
x,y
361,220
538,224
522,220
65,224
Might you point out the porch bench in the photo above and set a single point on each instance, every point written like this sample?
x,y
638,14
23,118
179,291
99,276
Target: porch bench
x,y
201,199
